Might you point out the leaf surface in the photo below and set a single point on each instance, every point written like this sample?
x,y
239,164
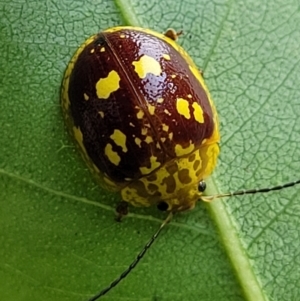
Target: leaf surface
x,y
57,234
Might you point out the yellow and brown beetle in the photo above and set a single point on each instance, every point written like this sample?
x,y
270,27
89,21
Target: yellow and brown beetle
x,y
144,120
142,116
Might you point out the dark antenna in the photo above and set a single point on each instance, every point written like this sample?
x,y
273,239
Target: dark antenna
x,y
249,191
135,262
169,217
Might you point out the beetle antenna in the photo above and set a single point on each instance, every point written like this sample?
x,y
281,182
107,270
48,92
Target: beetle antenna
x,y
134,262
250,191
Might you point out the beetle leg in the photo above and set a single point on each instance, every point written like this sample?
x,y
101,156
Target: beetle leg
x,y
121,210
172,34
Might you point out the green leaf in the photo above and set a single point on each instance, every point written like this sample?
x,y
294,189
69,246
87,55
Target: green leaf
x,y
58,237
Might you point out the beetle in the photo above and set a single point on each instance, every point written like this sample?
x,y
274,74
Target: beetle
x,y
142,116
144,122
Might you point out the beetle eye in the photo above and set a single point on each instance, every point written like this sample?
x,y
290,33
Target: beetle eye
x,y
163,206
201,186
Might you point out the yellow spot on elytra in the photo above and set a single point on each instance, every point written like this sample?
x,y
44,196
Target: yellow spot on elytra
x,y
79,138
198,112
162,139
151,109
180,151
153,165
160,100
190,96
112,156
122,36
108,85
131,195
101,113
199,77
85,96
173,75
182,106
109,182
140,114
165,127
144,131
102,49
66,81
92,50
138,141
148,139
167,112
147,64
171,135
120,139
166,57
